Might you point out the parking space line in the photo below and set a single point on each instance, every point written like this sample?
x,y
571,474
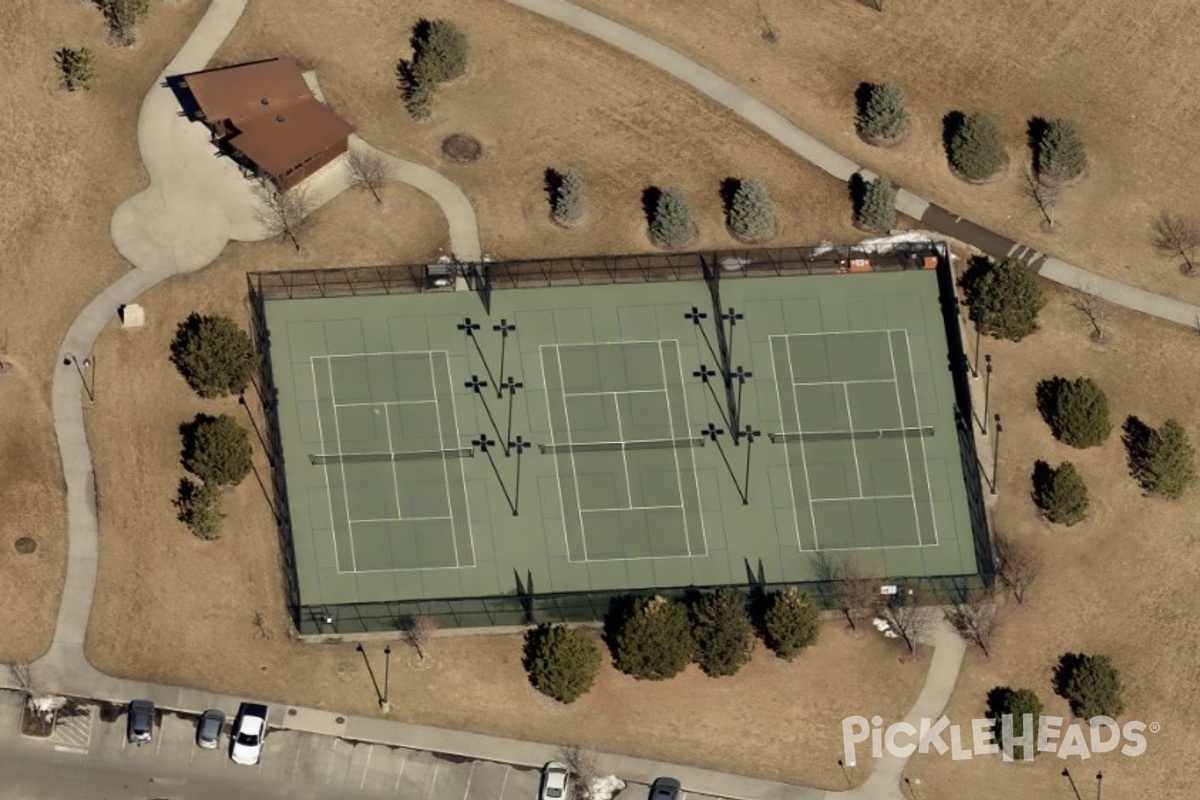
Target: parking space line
x,y
162,734
366,767
470,775
332,758
400,774
504,783
296,760
433,783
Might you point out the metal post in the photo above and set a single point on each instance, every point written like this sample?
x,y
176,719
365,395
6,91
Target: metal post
x,y
81,369
978,336
987,392
1099,784
750,434
996,455
385,703
519,445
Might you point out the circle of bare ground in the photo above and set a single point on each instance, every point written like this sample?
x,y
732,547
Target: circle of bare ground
x,y
885,143
25,545
766,237
461,148
568,225
995,176
340,720
1186,271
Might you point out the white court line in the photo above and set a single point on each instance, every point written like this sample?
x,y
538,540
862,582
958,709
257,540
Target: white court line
x,y
325,466
624,457
387,421
445,461
833,333
853,446
574,468
627,508
803,456
337,431
787,462
843,383
583,446
924,456
907,458
401,519
662,358
687,419
862,497
462,470
595,344
386,403
381,353
562,506
623,391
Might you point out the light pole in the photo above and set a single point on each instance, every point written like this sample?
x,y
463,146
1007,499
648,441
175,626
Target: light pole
x,y
88,363
520,446
504,328
741,373
987,391
704,374
996,455
1099,784
385,704
512,385
750,435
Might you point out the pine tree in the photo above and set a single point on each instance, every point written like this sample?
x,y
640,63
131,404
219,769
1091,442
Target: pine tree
x,y
1078,411
199,506
214,355
78,68
878,211
791,623
1060,152
672,224
1094,687
124,17
569,204
751,212
1016,703
1005,299
562,662
976,150
1063,495
440,51
1169,465
723,633
654,641
217,450
883,116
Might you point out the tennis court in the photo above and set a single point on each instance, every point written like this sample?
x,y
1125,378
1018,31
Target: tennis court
x,y
594,440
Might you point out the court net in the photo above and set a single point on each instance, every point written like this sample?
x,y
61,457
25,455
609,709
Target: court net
x,y
869,433
639,444
413,455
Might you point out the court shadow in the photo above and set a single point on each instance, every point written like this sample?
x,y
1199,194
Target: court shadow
x,y
525,594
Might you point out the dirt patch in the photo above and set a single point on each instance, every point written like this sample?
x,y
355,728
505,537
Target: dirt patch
x,y
461,148
36,724
25,545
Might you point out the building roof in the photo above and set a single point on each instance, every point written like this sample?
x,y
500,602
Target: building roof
x,y
279,141
248,90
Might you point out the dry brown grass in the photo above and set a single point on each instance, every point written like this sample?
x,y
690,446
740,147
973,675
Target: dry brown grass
x,y
67,162
1123,71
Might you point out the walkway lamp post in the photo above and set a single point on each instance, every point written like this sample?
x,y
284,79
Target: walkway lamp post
x,y
82,368
996,455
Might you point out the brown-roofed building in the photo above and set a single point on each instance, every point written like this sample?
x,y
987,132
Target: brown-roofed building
x,y
265,116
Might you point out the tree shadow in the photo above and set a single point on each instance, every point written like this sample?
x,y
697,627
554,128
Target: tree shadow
x,y
951,124
1047,392
728,190
1136,436
404,77
997,701
525,594
187,430
552,181
1043,475
619,610
650,197
857,190
1035,130
862,96
1064,670
420,36
533,638
977,267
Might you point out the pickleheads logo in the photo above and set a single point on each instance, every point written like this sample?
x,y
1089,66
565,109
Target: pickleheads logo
x,y
996,736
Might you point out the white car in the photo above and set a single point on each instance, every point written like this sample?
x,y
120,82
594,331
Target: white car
x,y
249,731
555,778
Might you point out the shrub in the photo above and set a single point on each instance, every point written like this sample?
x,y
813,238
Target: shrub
x,y
654,641
672,224
199,506
1077,411
1168,468
883,115
790,623
562,662
439,51
216,450
213,355
751,212
124,16
878,211
976,150
1061,493
722,631
1016,703
569,204
1060,154
1005,299
1091,684
78,68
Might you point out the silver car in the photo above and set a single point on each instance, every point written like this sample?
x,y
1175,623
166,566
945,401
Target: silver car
x,y
208,731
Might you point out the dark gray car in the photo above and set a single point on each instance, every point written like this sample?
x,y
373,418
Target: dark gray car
x,y
141,722
664,789
208,732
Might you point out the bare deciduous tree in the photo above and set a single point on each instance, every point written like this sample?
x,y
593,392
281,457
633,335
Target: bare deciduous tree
x,y
283,213
420,632
1018,564
261,631
38,697
852,593
368,170
1094,309
1044,197
583,768
909,618
975,618
1177,236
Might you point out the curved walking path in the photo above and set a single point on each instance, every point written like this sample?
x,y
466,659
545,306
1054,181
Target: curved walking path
x,y
826,158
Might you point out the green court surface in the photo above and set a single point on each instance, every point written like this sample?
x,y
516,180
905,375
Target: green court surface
x,y
396,414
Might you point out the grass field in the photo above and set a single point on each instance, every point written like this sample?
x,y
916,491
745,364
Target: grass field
x,y
1120,70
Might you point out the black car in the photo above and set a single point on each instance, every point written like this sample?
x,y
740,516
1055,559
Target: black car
x,y
664,789
141,722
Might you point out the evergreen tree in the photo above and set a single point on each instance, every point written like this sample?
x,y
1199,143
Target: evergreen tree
x,y
672,225
568,199
1060,152
78,68
216,450
723,633
976,150
214,355
1005,299
439,51
1063,495
124,17
791,623
883,116
1093,687
199,506
1168,468
1016,703
878,211
562,662
1078,411
751,213
654,641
